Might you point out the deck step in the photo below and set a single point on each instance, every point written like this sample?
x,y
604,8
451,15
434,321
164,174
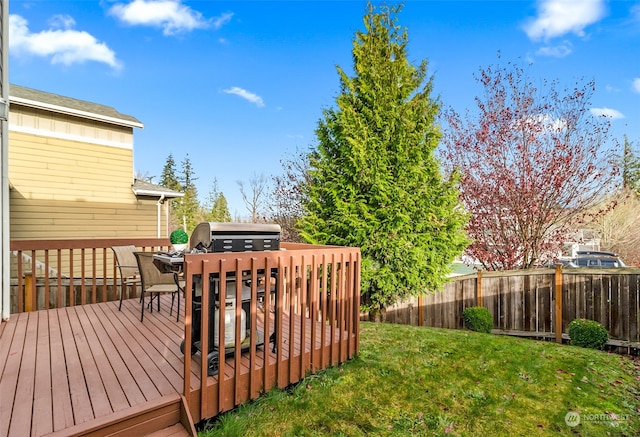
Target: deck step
x,y
143,420
177,430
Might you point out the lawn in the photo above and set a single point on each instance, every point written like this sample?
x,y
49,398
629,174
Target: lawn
x,y
412,381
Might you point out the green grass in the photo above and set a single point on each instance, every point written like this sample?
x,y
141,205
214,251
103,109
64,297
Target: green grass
x,y
410,381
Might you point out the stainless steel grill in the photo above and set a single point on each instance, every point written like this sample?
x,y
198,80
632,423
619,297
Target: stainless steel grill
x,y
235,237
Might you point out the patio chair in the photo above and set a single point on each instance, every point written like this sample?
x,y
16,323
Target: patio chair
x,y
128,267
156,283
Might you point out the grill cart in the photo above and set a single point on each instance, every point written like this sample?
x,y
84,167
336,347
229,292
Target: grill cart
x,y
229,237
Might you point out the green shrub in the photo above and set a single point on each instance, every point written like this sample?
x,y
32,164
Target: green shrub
x,y
179,236
478,319
588,333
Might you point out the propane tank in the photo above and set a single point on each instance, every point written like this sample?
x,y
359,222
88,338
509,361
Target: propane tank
x,y
230,324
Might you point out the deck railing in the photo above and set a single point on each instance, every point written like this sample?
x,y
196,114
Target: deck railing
x,y
56,273
302,314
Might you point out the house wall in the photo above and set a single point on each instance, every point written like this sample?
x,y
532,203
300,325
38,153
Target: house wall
x,y
71,177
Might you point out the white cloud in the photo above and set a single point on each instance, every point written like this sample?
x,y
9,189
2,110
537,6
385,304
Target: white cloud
x,y
170,15
559,17
62,22
636,84
613,114
63,46
251,97
635,12
222,20
559,51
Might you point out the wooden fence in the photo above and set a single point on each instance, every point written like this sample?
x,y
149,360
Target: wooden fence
x,y
526,303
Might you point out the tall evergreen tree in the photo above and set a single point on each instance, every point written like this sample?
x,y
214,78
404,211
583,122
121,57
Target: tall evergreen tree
x,y
220,210
187,209
168,178
187,178
374,180
217,207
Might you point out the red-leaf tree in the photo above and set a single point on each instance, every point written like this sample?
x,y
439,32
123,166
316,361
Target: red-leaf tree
x,y
532,160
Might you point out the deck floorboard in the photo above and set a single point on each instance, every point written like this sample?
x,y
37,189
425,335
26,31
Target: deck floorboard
x,y
65,369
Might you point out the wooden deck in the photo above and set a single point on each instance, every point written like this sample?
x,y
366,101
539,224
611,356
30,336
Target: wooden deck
x,y
93,370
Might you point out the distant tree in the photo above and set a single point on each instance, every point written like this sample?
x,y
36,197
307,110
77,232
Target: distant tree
x,y
187,209
187,179
254,196
286,205
630,164
220,210
217,208
374,181
532,165
168,178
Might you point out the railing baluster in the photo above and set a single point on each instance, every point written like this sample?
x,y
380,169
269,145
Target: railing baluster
x,y
33,293
20,288
47,291
59,279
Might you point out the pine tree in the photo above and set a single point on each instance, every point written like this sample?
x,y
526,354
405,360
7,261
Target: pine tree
x,y
187,210
168,178
374,181
217,207
220,210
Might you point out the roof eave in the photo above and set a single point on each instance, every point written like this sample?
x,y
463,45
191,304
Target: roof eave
x,y
75,112
154,193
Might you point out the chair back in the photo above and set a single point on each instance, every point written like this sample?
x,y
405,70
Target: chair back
x,y
126,261
149,273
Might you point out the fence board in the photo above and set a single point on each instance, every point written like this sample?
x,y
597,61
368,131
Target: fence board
x,y
634,309
616,326
523,302
624,308
599,306
505,303
545,299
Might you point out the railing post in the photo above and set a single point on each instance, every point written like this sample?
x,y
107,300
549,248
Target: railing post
x,y
29,292
558,282
479,288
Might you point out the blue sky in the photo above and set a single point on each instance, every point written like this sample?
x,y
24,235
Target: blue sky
x,y
239,85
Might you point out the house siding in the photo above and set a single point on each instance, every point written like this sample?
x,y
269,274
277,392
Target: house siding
x,y
64,126
66,188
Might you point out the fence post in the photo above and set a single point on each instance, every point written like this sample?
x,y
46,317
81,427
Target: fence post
x,y
420,310
479,288
558,324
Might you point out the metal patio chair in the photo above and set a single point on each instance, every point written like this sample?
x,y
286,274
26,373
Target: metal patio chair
x,y
156,283
128,268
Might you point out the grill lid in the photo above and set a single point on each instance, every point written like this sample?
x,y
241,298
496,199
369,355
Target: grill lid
x,y
235,237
